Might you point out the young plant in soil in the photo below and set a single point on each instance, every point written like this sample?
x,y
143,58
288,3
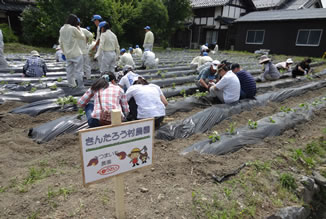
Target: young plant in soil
x,y
214,137
62,101
173,85
200,94
271,120
33,90
60,79
54,87
287,109
288,181
303,105
81,112
232,130
12,71
27,83
3,82
308,77
252,124
183,92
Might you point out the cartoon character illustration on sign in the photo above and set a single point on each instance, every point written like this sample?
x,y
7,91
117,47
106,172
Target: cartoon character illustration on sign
x,y
93,162
134,155
122,155
144,156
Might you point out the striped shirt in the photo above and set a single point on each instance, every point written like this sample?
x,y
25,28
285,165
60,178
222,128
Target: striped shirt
x,y
248,83
112,97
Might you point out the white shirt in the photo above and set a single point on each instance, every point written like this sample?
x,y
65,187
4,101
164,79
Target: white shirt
x,y
58,56
204,59
109,42
83,42
128,80
148,100
126,59
149,38
195,61
69,36
138,52
148,59
230,85
282,65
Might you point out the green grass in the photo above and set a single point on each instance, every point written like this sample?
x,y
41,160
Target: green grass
x,y
21,48
288,181
36,174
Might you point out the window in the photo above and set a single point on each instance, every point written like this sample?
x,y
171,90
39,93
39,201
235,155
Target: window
x,y
309,37
255,36
211,36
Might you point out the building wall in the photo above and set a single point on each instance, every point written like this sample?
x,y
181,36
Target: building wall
x,y
280,37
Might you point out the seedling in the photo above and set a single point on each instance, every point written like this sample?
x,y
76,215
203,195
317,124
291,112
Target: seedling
x,y
316,102
27,83
214,137
173,85
33,90
287,109
308,77
81,112
3,82
163,76
232,130
303,105
59,79
252,124
54,87
271,120
62,101
12,71
200,94
159,72
287,181
183,92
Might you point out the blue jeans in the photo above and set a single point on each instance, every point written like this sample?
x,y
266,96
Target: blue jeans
x,y
90,120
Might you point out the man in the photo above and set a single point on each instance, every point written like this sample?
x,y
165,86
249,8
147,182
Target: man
x,y
204,59
247,82
83,44
207,75
125,59
149,60
3,62
270,71
137,51
149,39
35,66
227,90
302,68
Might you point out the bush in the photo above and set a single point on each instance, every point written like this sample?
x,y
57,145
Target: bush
x,y
8,35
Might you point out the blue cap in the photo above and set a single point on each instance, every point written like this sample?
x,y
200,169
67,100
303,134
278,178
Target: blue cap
x,y
78,20
205,54
137,46
206,44
147,28
130,49
122,50
96,17
88,28
102,24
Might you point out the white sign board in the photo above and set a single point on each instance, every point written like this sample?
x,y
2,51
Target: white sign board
x,y
111,150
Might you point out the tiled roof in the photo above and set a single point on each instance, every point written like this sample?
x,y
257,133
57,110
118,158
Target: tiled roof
x,y
276,15
297,4
17,7
207,3
266,3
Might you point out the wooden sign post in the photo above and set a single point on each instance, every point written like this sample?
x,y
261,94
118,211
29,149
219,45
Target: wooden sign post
x,y
110,151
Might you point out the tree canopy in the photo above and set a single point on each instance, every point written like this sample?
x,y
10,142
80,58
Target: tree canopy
x,y
41,24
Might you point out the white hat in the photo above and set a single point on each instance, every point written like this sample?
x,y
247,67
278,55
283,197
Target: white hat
x,y
289,61
35,53
215,64
58,47
263,59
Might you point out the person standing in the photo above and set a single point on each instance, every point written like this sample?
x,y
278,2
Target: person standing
x,y
109,48
69,36
247,82
149,39
83,44
35,66
3,62
97,19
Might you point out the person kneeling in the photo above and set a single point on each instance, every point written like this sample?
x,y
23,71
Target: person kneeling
x,y
107,96
227,90
247,82
35,66
150,101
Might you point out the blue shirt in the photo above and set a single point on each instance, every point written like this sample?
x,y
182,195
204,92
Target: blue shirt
x,y
35,67
206,74
247,83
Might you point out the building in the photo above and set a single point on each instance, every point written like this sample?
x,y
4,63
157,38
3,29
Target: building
x,y
290,32
263,5
211,21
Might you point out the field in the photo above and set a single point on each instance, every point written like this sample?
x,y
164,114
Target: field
x,y
40,175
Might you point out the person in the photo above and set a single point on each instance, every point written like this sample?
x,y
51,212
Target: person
x,y
204,48
207,75
96,19
195,61
129,77
35,66
149,39
303,68
227,90
270,71
107,96
131,50
59,56
284,65
83,44
247,82
149,60
149,99
69,36
125,59
137,51
204,59
3,62
109,48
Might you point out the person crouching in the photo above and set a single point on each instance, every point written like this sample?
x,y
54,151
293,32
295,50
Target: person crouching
x,y
35,66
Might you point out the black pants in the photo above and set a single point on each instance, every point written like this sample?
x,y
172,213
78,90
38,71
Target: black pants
x,y
296,73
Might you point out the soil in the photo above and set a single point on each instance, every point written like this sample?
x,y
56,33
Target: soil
x,y
169,182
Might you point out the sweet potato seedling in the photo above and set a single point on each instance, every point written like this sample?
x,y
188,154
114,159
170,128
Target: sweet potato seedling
x,y
252,124
271,120
33,90
232,130
214,137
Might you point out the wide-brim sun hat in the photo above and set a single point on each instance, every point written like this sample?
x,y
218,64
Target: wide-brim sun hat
x,y
289,61
35,53
264,58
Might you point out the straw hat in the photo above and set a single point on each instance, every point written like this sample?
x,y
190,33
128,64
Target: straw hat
x,y
263,59
289,61
35,53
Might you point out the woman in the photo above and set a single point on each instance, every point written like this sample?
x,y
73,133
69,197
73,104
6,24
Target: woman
x,y
149,99
109,48
270,71
107,96
69,36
